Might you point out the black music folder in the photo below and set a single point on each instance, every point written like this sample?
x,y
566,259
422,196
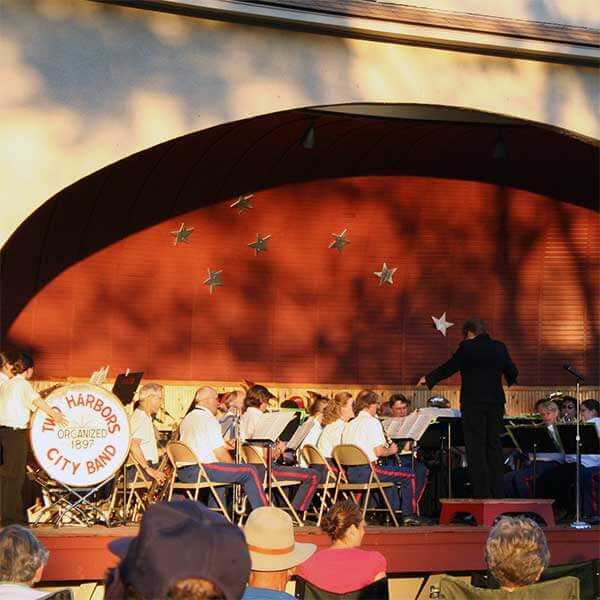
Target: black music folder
x,y
590,441
125,386
530,438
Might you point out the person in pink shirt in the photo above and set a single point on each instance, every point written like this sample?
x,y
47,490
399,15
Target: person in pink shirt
x,y
343,567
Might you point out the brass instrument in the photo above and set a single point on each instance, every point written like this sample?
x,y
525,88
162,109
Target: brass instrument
x,y
238,498
158,489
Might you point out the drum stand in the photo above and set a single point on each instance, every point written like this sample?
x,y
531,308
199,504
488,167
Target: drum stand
x,y
76,501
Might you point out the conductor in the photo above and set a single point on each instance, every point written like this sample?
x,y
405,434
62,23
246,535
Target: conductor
x,y
481,361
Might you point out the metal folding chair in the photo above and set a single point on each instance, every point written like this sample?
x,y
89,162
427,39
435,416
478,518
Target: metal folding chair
x,y
181,455
349,455
254,456
313,456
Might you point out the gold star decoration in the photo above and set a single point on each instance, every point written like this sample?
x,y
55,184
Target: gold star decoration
x,y
260,245
182,234
214,279
386,274
242,203
340,240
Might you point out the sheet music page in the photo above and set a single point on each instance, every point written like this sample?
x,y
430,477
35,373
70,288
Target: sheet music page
x,y
300,434
398,427
270,425
420,426
436,413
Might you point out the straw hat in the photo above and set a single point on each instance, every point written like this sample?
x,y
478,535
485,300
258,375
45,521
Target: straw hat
x,y
270,537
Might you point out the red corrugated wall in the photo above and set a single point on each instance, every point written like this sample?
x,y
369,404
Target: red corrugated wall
x,y
302,312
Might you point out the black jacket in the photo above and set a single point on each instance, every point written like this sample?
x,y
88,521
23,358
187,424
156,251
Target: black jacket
x,y
481,361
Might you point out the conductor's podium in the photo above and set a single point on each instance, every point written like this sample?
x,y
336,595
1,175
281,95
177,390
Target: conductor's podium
x,y
486,511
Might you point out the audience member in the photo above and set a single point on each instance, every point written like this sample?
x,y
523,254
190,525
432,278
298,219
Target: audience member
x,y
274,553
516,552
343,567
22,561
183,551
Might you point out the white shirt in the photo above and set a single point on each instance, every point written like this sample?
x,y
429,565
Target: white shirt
x,y
249,421
331,437
366,432
201,431
3,377
312,437
16,400
142,430
587,460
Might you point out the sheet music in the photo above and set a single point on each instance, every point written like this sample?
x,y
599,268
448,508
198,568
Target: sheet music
x,y
98,377
300,434
270,426
414,425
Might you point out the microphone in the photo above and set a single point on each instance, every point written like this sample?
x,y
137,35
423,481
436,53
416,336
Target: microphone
x,y
568,367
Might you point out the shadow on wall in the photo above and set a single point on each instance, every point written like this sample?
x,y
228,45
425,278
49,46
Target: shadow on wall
x,y
302,312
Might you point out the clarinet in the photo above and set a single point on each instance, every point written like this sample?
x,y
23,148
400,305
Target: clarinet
x,y
389,442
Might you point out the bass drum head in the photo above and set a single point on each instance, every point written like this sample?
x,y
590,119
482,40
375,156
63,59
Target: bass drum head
x,y
94,444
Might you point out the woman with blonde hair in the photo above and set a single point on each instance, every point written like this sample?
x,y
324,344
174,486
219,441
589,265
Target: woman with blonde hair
x,y
336,414
343,567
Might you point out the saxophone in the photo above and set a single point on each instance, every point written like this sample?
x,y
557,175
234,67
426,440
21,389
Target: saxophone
x,y
158,490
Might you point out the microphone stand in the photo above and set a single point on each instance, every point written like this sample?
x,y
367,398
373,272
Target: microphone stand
x,y
578,523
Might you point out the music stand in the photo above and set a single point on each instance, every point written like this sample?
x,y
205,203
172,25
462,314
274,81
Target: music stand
x,y
531,439
126,385
269,428
589,441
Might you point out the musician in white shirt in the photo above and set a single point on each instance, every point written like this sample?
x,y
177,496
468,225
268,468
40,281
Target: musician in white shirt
x,y
201,431
519,483
143,435
366,431
17,400
337,413
257,399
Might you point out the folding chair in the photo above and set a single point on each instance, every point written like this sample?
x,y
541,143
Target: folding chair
x,y
313,456
137,491
254,456
349,455
181,455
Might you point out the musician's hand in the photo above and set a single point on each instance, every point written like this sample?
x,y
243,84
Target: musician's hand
x,y
59,418
156,474
230,444
393,449
422,382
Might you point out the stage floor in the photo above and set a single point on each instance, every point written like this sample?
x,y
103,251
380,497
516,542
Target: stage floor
x,y
81,553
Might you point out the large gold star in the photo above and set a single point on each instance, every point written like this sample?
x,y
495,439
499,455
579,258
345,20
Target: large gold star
x,y
260,245
182,234
340,240
214,279
386,274
242,203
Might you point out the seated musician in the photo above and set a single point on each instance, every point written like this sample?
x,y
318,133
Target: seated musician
x,y
257,399
143,435
366,431
233,403
519,483
315,416
590,473
201,431
399,405
558,482
568,409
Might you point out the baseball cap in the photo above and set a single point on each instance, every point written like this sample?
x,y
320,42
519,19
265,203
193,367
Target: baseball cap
x,y
181,540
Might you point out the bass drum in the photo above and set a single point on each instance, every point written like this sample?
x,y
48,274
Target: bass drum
x,y
92,446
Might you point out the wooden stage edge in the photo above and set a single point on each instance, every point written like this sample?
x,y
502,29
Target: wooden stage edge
x,y
81,553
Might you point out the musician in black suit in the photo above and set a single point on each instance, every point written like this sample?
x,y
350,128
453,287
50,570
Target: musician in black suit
x,y
481,361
